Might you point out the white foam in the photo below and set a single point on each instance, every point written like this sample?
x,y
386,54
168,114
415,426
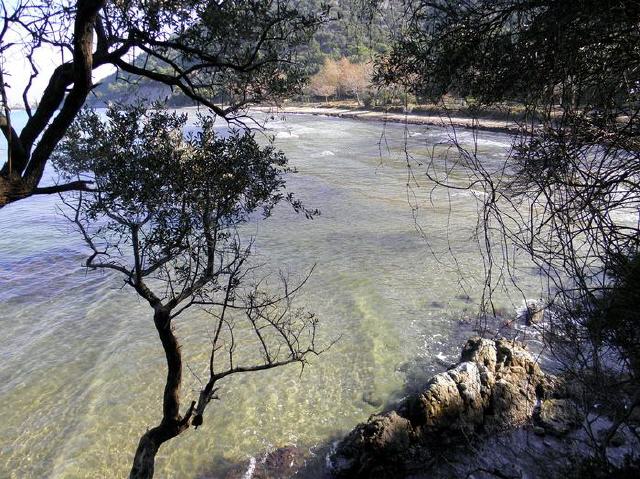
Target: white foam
x,y
286,134
627,216
248,474
485,142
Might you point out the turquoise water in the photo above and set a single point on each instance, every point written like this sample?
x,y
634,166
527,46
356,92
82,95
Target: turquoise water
x,y
82,370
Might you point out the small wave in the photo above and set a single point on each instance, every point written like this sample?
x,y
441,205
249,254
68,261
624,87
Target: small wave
x,y
286,134
500,144
328,461
467,138
327,153
441,356
478,193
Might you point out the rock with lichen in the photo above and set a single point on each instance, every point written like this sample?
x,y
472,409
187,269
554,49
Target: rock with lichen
x,y
495,386
558,416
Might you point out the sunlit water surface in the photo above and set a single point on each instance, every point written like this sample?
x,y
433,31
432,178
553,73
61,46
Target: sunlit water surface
x,y
82,369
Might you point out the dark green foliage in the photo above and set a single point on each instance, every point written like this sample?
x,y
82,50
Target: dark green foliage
x,y
358,32
175,189
229,52
584,52
140,159
615,318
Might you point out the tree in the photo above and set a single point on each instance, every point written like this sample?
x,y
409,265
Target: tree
x,y
325,83
215,53
341,77
568,195
165,215
355,78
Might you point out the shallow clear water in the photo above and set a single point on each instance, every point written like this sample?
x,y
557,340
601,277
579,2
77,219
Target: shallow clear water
x,y
82,370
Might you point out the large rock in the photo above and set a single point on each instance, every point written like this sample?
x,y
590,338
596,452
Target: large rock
x,y
495,386
379,448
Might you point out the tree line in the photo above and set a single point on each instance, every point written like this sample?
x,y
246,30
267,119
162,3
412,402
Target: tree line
x,y
353,30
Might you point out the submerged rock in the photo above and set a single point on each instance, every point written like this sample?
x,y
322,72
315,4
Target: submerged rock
x,y
372,398
496,386
379,448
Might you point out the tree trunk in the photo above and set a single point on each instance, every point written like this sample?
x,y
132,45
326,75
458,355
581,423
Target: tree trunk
x,y
144,461
172,423
29,166
12,189
145,458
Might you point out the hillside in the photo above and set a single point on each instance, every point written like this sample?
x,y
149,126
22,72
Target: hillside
x,y
353,31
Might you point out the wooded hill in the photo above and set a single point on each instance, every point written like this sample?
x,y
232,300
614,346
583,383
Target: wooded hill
x,y
353,31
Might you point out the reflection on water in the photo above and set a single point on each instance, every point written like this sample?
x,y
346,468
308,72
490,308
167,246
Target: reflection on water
x,y
82,370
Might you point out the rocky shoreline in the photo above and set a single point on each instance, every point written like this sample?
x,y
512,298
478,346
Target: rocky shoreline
x,y
497,385
493,414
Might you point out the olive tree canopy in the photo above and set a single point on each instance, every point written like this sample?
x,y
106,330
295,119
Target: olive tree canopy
x,y
221,54
164,215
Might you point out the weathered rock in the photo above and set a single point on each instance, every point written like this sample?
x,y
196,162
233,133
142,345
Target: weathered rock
x,y
481,351
539,431
377,448
511,356
558,416
617,440
438,404
495,386
509,405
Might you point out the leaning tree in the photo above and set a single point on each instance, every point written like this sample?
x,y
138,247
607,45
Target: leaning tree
x,y
220,54
568,194
164,215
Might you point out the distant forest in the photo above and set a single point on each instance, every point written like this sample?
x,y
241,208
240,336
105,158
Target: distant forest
x,y
354,35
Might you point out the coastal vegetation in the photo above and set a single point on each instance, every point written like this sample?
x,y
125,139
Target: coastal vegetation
x,y
336,79
168,224
568,195
352,33
235,53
